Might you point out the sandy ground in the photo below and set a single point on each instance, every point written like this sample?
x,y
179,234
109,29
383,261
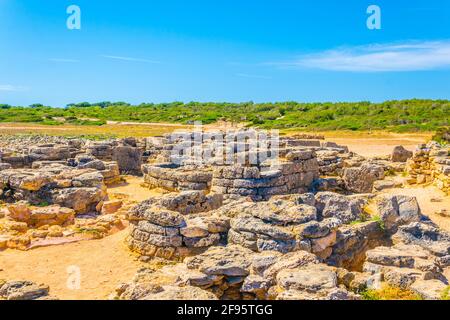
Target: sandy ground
x,y
375,147
132,190
103,265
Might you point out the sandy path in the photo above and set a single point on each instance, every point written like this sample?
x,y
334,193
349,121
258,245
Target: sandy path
x,y
103,264
132,190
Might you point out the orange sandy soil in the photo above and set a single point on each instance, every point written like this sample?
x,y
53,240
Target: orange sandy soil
x,y
104,264
377,143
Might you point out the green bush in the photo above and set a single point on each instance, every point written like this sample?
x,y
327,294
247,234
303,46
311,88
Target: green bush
x,y
398,116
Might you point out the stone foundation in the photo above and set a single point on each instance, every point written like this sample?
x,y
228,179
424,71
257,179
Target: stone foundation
x,y
294,174
176,178
176,226
430,164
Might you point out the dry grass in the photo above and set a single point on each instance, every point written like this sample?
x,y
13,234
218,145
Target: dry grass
x,y
151,129
113,130
390,293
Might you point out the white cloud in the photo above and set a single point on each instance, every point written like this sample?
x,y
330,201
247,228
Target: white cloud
x,y
253,76
11,88
391,57
130,59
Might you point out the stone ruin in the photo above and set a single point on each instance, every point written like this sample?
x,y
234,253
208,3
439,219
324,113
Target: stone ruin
x,y
293,174
302,220
127,154
221,163
430,164
79,189
54,187
305,247
176,226
284,234
173,177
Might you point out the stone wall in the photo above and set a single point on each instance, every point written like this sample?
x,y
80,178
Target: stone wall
x,y
430,164
294,174
176,178
82,190
176,225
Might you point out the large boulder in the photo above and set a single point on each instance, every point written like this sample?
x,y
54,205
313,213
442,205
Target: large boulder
x,y
82,200
397,210
361,179
400,154
128,158
425,235
344,208
186,293
232,261
429,289
311,278
49,153
19,211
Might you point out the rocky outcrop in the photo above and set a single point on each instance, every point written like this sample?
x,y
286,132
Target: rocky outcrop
x,y
80,190
427,236
24,290
418,261
397,210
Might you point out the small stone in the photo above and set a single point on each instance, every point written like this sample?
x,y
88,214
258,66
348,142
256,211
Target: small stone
x,y
110,207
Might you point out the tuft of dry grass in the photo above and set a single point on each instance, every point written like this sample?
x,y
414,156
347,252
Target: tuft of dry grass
x,y
390,293
446,294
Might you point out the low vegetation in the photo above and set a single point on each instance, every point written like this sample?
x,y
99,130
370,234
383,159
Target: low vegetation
x,y
390,293
442,136
398,116
446,294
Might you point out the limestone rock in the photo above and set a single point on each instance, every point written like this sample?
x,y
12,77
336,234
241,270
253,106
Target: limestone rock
x,y
311,278
397,210
429,289
187,293
361,179
23,290
231,261
400,154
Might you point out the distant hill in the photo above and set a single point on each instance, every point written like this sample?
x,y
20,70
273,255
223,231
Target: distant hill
x,y
401,115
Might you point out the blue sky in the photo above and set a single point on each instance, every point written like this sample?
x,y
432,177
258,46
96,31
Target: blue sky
x,y
266,50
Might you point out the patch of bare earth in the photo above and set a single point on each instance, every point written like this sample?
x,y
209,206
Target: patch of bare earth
x,y
103,264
